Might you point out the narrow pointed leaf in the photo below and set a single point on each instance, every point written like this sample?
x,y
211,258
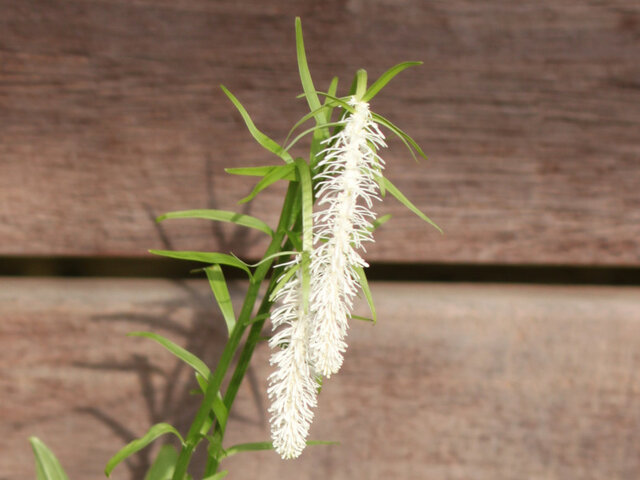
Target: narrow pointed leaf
x,y
47,465
259,171
221,292
364,283
258,318
377,223
361,83
260,137
154,432
307,227
312,129
294,238
205,257
164,464
305,76
219,410
393,190
364,319
279,173
333,88
221,216
408,141
187,357
257,446
283,280
385,78
328,105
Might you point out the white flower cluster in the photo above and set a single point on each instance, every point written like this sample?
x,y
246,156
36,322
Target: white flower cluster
x,y
292,387
311,344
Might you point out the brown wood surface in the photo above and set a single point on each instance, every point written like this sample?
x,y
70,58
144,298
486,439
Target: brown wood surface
x,y
110,114
456,381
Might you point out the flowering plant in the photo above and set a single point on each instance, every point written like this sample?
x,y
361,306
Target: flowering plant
x,y
313,270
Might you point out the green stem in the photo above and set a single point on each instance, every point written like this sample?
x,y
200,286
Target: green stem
x,y
202,422
247,351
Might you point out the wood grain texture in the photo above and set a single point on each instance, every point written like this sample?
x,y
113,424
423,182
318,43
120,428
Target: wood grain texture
x,y
110,114
455,382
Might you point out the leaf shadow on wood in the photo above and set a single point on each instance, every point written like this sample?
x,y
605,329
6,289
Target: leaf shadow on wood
x,y
167,388
192,321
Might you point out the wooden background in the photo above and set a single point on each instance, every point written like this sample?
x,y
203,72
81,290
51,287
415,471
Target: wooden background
x,y
110,114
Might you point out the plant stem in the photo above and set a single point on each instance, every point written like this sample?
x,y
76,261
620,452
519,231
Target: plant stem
x,y
202,422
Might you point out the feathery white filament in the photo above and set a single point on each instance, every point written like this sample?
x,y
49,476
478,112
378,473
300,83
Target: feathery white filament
x,y
292,387
347,187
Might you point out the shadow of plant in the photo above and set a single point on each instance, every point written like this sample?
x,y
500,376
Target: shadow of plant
x,y
167,388
204,334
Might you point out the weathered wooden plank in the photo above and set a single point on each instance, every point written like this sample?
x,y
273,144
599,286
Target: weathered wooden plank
x,y
110,114
455,382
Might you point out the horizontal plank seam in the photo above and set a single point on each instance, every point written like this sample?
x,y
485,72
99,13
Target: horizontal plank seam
x,y
421,272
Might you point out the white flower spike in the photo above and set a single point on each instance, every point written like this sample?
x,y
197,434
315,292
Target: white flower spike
x,y
292,387
347,186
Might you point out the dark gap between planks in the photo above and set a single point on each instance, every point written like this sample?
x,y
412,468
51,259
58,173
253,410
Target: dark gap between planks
x,y
423,272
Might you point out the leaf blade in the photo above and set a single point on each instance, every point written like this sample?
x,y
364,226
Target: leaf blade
x,y
221,216
221,293
47,465
138,444
364,284
279,173
205,257
257,446
385,78
305,76
406,139
164,464
260,171
186,356
391,188
265,141
307,228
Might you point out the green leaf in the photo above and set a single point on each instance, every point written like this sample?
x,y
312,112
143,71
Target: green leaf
x,y
304,173
333,88
187,357
256,446
305,76
221,292
260,137
342,102
405,201
367,292
283,280
222,216
406,139
312,129
364,319
258,318
47,465
259,171
385,78
380,221
219,410
361,83
307,228
278,173
205,257
217,476
328,107
165,462
154,432
294,238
